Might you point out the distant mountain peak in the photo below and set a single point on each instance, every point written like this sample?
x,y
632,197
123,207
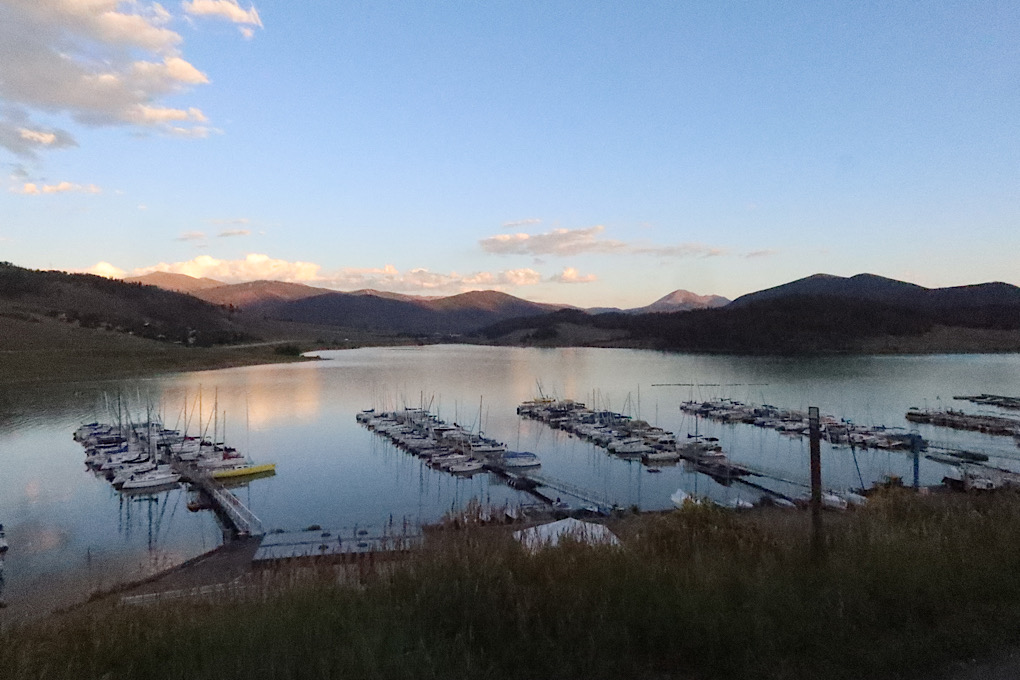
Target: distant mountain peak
x,y
682,301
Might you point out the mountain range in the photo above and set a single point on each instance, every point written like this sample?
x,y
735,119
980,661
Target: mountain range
x,y
384,311
822,313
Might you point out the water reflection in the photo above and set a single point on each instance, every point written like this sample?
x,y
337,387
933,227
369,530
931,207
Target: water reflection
x,y
72,528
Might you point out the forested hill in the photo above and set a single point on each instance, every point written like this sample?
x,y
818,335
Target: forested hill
x,y
791,324
95,301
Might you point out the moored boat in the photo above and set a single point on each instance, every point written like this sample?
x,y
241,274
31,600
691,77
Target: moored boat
x,y
243,470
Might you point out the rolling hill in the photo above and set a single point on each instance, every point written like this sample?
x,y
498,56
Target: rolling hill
x,y
181,283
456,314
95,302
257,294
819,314
365,309
869,287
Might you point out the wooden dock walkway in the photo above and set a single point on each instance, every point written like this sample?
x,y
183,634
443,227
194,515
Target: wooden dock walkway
x,y
232,512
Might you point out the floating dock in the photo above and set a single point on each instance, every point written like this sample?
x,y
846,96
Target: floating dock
x,y
957,420
992,400
332,546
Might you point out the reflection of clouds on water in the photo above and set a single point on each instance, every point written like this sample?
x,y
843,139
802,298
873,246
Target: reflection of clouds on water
x,y
42,539
33,491
257,398
36,492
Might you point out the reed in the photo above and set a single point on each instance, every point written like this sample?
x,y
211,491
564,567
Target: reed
x,y
909,585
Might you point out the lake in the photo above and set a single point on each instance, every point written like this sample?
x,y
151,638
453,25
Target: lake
x,y
70,532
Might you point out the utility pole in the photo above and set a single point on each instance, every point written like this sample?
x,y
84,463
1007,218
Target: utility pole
x,y
817,539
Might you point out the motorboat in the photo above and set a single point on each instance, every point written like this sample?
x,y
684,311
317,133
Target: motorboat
x,y
655,457
519,459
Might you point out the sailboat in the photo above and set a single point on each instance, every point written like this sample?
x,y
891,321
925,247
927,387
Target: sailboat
x,y
231,464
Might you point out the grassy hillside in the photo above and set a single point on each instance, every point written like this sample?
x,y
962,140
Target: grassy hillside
x,y
58,326
96,302
907,586
790,325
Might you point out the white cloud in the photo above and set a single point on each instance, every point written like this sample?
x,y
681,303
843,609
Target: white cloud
x,y
571,275
226,233
24,138
44,138
422,280
226,9
191,236
106,269
230,220
257,266
768,252
253,267
33,189
100,62
521,277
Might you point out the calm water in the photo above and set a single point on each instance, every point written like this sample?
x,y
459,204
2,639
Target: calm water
x,y
71,532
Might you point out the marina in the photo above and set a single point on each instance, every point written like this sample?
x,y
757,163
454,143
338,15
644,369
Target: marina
x,y
148,458
71,533
628,438
452,449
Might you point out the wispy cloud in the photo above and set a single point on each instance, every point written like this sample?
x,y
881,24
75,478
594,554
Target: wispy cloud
x,y
562,242
33,189
227,233
191,236
228,220
521,223
769,252
681,250
229,10
572,242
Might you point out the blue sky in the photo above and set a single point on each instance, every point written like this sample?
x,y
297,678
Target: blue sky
x,y
587,153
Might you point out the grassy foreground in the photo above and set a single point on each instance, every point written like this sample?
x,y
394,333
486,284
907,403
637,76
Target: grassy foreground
x,y
909,585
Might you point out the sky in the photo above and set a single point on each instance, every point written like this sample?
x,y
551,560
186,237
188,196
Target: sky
x,y
588,153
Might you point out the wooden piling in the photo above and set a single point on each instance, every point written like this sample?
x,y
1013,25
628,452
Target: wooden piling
x,y
817,537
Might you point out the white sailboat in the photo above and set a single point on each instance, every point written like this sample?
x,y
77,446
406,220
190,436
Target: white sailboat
x,y
149,480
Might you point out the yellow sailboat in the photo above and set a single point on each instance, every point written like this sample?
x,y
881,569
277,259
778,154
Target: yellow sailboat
x,y
243,470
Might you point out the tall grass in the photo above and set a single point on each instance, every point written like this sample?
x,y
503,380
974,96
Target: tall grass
x,y
908,585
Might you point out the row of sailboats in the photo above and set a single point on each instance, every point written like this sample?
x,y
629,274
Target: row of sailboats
x,y
143,456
